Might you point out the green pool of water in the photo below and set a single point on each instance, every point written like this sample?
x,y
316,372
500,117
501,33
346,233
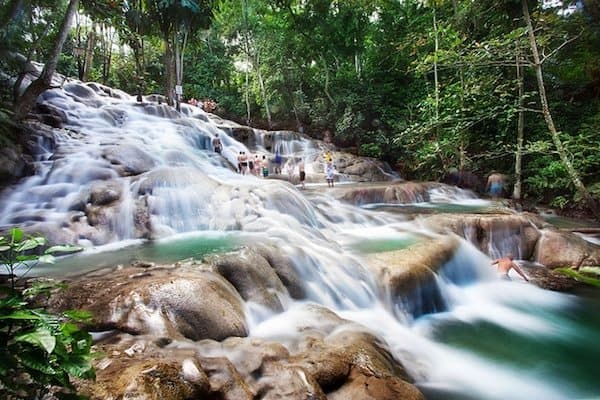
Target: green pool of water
x,y
191,245
569,359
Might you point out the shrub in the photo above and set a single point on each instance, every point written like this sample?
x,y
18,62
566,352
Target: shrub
x,y
39,351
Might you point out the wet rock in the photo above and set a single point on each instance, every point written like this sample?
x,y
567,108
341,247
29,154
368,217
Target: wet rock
x,y
396,193
225,381
132,159
403,270
547,278
178,177
362,169
12,164
248,355
284,269
279,382
160,110
493,234
152,379
243,134
354,365
83,94
564,249
50,115
105,192
409,274
373,387
167,302
252,276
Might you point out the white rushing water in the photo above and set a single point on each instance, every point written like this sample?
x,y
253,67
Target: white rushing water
x,y
122,171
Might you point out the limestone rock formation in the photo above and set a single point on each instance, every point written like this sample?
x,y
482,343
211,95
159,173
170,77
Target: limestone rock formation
x,y
175,302
252,276
408,275
563,249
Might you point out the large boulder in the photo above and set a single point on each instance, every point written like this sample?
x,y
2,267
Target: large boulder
x,y
148,379
186,301
283,267
394,193
252,276
130,159
362,169
562,249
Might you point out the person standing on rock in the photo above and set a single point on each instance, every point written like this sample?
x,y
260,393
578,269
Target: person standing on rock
x,y
277,162
257,165
244,163
265,167
329,171
301,172
505,264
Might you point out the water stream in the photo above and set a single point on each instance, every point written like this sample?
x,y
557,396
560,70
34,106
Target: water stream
x,y
121,173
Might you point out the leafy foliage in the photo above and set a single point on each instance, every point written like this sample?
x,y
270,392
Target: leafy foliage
x,y
38,350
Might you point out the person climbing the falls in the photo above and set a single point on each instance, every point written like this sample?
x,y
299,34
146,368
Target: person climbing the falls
x,y
217,145
495,184
505,264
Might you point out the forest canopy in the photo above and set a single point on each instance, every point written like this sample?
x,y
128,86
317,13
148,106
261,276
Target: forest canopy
x,y
428,86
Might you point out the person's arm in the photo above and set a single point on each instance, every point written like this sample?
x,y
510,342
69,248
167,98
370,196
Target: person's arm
x,y
519,271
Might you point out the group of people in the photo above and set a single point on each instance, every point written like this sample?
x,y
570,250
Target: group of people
x,y
257,165
252,165
207,105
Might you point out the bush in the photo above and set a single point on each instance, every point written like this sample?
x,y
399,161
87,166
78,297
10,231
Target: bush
x,y
39,351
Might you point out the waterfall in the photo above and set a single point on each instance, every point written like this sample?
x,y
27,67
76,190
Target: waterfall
x,y
119,172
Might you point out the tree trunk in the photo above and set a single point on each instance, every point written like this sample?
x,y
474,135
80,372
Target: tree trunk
x,y
548,117
326,88
520,128
435,69
27,100
247,51
89,53
263,91
170,71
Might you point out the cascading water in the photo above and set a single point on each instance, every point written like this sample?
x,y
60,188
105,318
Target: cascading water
x,y
121,171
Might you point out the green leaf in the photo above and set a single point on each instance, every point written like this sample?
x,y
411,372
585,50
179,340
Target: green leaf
x,y
78,315
79,366
25,314
16,234
30,257
41,337
30,244
37,362
4,248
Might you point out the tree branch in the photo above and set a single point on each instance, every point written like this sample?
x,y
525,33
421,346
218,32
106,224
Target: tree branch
x,y
553,52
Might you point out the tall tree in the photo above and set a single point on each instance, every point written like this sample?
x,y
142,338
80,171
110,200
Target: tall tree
x,y
27,100
573,174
